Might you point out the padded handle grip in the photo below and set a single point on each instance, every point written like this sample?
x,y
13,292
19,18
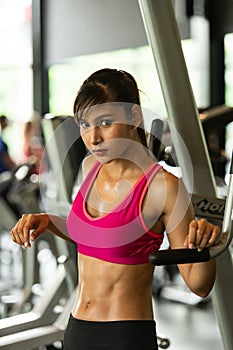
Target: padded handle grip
x,y
179,256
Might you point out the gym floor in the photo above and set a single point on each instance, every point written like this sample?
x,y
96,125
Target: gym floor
x,y
187,327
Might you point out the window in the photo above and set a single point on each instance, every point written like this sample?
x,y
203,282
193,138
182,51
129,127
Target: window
x,y
15,67
65,79
228,48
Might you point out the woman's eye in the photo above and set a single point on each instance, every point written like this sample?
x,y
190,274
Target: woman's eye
x,y
84,124
106,122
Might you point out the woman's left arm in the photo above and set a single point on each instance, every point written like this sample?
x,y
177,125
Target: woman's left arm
x,y
184,231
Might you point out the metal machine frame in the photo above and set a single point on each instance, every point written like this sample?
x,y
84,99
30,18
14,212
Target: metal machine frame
x,y
163,36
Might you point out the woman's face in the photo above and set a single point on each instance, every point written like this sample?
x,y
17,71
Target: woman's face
x,y
107,132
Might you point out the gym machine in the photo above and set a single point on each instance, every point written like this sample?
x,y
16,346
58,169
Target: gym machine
x,y
41,335
164,39
43,324
184,256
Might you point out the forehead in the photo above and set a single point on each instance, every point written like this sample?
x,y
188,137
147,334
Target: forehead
x,y
115,110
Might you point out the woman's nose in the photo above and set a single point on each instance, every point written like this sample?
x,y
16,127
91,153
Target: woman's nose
x,y
95,135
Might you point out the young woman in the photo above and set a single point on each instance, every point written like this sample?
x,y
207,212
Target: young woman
x,y
125,204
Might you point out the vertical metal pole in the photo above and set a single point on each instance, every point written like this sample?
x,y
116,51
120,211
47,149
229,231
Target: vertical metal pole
x,y
163,36
40,73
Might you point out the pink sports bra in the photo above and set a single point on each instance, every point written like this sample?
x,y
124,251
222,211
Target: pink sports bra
x,y
120,236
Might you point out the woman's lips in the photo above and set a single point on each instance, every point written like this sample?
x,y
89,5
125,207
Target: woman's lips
x,y
99,152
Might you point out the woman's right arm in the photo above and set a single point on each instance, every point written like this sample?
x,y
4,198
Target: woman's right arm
x,y
30,226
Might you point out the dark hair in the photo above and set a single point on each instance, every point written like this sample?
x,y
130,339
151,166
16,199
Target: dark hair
x,y
3,121
109,85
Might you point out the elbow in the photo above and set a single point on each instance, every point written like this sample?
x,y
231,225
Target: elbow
x,y
204,280
203,293
204,289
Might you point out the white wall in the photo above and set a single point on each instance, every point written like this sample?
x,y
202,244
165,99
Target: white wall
x,y
80,27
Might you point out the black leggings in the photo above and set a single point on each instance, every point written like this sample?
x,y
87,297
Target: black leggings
x,y
112,335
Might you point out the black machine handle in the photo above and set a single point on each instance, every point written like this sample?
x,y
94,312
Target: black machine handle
x,y
179,256
155,144
185,256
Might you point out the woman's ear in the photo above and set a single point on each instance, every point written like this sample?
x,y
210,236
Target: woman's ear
x,y
136,117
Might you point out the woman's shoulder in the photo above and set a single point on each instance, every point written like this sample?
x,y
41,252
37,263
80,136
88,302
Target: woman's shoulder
x,y
166,177
165,184
166,192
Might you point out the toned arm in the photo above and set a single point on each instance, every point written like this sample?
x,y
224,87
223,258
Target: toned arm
x,y
30,226
185,232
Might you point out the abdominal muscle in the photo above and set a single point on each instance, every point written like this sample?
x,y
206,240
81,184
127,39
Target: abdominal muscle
x,y
111,292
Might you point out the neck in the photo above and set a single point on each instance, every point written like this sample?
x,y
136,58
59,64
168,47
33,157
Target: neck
x,y
136,159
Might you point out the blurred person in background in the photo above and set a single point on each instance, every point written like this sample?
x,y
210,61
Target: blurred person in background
x,y
33,146
6,162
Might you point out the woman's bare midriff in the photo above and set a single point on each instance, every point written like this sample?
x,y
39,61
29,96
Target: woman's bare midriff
x,y
110,292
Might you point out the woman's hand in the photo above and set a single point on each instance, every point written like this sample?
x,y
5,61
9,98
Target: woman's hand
x,y
201,234
28,228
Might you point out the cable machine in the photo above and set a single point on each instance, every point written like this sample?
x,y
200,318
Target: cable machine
x,y
163,36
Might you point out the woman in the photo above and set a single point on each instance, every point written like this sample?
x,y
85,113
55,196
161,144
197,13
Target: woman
x,y
125,204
